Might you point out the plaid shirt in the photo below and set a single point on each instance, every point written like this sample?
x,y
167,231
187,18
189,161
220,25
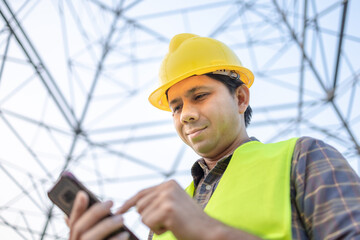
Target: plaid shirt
x,y
325,191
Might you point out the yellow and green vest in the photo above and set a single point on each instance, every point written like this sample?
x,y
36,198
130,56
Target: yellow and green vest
x,y
253,194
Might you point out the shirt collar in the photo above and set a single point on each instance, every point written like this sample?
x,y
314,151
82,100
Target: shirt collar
x,y
200,169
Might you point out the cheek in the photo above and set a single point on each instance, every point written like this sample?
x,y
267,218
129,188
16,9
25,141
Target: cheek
x,y
227,117
178,126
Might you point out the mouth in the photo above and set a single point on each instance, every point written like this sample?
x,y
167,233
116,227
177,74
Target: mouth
x,y
195,132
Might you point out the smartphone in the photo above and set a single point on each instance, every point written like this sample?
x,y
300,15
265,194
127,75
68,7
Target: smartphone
x,y
63,194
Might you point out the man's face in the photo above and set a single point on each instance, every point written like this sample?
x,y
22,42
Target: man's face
x,y
206,116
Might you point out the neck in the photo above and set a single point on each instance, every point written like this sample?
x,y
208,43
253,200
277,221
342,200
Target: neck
x,y
211,162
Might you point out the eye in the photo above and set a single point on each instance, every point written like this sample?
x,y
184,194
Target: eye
x,y
176,108
200,96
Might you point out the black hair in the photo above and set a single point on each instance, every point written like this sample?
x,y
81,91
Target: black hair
x,y
232,84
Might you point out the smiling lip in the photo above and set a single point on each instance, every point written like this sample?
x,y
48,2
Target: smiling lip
x,y
195,132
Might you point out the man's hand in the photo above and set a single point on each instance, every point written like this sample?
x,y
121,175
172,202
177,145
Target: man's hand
x,y
168,207
91,224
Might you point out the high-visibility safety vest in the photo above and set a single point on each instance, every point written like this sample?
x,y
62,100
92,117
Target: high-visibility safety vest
x,y
253,194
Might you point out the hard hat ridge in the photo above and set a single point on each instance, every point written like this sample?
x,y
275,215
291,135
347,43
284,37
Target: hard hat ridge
x,y
177,40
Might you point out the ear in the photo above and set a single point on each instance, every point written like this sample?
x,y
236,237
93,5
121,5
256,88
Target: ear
x,y
242,95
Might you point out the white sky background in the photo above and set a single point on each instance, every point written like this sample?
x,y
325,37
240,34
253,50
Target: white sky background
x,y
126,144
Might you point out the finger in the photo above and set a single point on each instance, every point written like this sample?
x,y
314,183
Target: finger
x,y
80,205
95,213
155,216
66,219
104,228
146,201
154,200
156,221
121,236
133,200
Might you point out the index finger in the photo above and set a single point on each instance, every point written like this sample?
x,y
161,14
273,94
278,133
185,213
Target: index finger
x,y
133,200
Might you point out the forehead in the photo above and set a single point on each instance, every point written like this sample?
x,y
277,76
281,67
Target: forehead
x,y
192,84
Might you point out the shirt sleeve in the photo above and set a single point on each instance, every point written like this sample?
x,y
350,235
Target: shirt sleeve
x,y
326,191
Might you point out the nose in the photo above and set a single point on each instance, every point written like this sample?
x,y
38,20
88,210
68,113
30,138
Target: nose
x,y
189,113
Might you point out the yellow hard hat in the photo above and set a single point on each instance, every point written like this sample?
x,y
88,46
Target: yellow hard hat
x,y
190,55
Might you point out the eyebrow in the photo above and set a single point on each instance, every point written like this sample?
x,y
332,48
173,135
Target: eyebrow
x,y
189,92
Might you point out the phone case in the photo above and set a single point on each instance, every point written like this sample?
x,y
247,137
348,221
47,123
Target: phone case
x,y
63,194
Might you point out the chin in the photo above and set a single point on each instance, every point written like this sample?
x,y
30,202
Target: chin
x,y
203,151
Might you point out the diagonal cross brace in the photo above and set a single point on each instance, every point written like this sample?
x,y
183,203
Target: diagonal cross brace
x,y
34,59
318,78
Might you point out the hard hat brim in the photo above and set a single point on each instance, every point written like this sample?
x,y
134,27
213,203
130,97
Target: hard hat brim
x,y
159,99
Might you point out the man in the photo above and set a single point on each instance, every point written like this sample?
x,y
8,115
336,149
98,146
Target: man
x,y
242,189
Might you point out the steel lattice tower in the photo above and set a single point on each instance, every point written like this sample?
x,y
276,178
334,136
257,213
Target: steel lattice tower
x,y
75,77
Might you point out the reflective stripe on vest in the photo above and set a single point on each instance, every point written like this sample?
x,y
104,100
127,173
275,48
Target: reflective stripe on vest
x,y
254,192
